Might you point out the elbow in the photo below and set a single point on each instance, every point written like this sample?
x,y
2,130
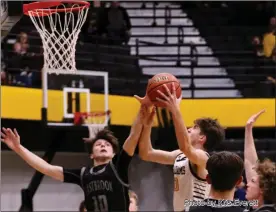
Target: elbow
x,y
144,155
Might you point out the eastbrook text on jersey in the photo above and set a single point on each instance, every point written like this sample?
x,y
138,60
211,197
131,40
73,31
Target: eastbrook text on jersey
x,y
99,185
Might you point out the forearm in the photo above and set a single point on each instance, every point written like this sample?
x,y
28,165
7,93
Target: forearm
x,y
250,153
181,132
134,135
145,143
38,163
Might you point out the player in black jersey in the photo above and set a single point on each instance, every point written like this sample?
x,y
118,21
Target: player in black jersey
x,y
105,183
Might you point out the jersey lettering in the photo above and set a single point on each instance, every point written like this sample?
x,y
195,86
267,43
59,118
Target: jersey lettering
x,y
179,170
99,185
100,203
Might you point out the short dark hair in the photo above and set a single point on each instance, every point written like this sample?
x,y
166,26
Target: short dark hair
x,y
104,134
224,170
213,131
267,179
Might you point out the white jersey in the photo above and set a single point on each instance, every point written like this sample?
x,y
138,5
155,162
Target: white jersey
x,y
187,185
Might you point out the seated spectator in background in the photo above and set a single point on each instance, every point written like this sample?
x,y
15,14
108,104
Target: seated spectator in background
x,y
90,27
224,174
22,61
267,47
117,24
22,45
269,43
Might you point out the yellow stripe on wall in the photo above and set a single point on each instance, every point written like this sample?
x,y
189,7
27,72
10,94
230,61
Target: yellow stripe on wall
x,y
26,103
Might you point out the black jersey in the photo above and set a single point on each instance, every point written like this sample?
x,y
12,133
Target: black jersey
x,y
106,186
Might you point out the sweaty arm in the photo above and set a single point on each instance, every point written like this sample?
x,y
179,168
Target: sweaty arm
x,y
250,153
147,153
39,164
196,156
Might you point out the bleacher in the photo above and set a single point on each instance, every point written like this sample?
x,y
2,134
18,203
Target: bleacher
x,y
201,50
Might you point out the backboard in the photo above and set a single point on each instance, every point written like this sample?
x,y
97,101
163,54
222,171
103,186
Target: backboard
x,y
64,95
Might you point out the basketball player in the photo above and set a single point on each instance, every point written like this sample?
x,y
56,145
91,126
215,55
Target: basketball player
x,y
190,159
105,183
224,173
260,176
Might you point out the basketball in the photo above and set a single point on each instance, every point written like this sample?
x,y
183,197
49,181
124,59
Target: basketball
x,y
156,83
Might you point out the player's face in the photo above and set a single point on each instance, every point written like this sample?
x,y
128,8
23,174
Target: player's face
x,y
102,150
132,205
195,135
253,191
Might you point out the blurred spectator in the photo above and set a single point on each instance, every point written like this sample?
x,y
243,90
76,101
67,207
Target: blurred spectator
x,y
117,24
91,25
269,42
22,45
21,61
267,47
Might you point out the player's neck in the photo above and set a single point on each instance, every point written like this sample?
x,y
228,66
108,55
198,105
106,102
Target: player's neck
x,y
227,195
100,162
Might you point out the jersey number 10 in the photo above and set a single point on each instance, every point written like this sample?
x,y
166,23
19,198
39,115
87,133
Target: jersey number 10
x,y
100,203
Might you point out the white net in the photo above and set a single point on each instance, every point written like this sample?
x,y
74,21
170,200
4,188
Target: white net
x,y
59,28
96,122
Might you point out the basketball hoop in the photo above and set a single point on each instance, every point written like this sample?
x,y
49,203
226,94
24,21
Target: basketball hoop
x,y
95,121
59,24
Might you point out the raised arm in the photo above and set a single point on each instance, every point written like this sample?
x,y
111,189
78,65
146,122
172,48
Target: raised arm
x,y
146,152
12,140
250,153
196,156
134,135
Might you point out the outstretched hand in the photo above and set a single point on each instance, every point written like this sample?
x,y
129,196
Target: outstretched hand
x,y
147,115
254,118
10,138
169,99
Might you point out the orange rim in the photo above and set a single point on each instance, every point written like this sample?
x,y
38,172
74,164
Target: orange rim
x,y
42,8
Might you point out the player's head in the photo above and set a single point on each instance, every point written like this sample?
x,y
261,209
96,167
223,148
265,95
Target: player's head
x,y
263,184
133,201
115,4
206,133
103,146
82,207
224,171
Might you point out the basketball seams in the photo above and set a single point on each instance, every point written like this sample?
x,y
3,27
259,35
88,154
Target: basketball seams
x,y
161,85
151,90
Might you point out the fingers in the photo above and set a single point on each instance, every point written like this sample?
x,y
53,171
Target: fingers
x,y
15,132
260,113
161,100
3,135
173,89
162,95
167,90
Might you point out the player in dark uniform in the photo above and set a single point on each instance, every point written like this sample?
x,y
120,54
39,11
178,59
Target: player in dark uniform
x,y
105,183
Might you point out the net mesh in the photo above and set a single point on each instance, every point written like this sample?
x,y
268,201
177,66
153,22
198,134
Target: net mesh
x,y
59,32
95,121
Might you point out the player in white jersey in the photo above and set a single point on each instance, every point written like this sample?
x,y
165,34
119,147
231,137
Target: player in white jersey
x,y
190,159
